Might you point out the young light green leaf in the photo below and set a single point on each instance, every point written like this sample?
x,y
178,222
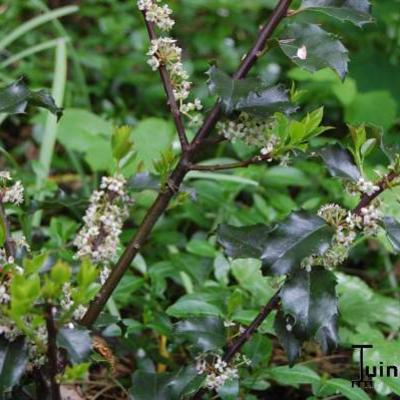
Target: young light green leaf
x,y
355,11
250,95
13,360
248,273
312,48
339,162
120,142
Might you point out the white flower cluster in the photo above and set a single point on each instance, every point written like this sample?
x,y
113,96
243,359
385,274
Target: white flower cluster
x,y
66,303
217,373
11,332
370,217
164,51
348,225
36,355
250,130
9,261
13,194
363,186
4,296
99,237
367,187
9,329
159,15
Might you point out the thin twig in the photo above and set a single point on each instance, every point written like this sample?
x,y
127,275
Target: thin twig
x,y
52,353
177,176
383,185
171,100
246,335
240,164
9,244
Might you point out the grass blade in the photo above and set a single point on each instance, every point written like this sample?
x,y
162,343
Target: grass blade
x,y
34,22
32,50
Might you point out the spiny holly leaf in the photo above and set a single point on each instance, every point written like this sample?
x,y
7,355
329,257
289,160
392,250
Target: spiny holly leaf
x,y
77,342
281,248
287,339
207,333
250,95
15,97
309,308
340,162
312,48
355,11
392,228
13,360
299,236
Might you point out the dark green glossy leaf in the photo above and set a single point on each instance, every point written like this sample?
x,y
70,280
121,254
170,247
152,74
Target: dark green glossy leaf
x,y
281,248
185,382
355,11
312,48
392,228
150,385
15,97
250,95
288,340
229,390
299,236
340,162
207,333
44,99
13,360
244,242
77,342
309,306
165,386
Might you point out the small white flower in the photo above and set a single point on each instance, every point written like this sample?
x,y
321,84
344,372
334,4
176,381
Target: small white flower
x,y
367,187
302,52
108,209
14,194
5,176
